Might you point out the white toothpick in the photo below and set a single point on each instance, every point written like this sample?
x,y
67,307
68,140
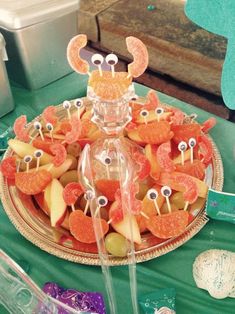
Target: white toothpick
x,y
50,128
152,195
78,103
89,195
27,160
107,162
102,202
192,142
144,113
159,111
112,60
67,106
144,215
166,192
38,127
73,207
186,206
182,148
38,154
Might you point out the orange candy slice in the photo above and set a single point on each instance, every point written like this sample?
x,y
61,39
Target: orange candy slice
x,y
155,132
208,124
168,225
75,45
140,54
108,188
59,152
205,149
81,227
19,129
185,131
32,183
8,167
195,169
73,135
49,115
71,193
163,157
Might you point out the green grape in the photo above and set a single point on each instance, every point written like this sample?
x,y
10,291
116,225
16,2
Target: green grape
x,y
69,176
178,199
164,208
116,244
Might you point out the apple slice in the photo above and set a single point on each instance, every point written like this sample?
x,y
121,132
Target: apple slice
x,y
151,154
178,159
22,149
123,227
56,172
58,207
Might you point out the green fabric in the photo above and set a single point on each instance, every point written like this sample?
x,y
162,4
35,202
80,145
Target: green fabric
x,y
171,270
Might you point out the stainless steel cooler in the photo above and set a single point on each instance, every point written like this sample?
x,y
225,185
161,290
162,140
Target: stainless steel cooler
x,y
37,33
6,99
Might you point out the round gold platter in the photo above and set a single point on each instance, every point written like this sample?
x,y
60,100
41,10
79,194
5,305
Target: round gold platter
x,y
35,226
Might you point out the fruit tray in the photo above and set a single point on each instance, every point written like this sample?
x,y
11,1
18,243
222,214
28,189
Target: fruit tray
x,y
35,225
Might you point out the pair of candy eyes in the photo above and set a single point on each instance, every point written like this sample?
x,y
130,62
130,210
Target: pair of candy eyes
x,y
38,126
144,113
183,145
110,59
37,154
78,104
152,194
102,200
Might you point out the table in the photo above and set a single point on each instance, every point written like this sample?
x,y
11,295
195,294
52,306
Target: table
x,y
171,270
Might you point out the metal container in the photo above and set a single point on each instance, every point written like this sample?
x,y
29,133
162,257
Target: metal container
x,y
6,99
37,33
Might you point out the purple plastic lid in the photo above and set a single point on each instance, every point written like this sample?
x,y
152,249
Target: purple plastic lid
x,y
91,302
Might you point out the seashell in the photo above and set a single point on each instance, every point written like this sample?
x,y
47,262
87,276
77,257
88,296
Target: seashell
x,y
214,271
164,310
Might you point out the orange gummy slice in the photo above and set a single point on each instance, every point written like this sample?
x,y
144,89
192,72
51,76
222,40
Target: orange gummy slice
x,y
155,132
184,132
205,148
81,227
49,115
140,54
168,225
195,169
32,183
8,167
59,152
108,188
164,160
208,124
19,129
108,87
71,192
76,62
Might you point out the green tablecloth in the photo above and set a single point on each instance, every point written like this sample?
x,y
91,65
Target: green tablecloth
x,y
171,270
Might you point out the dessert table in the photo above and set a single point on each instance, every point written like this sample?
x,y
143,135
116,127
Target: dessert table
x,y
171,270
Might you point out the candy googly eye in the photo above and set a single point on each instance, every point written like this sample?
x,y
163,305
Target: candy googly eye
x,y
106,160
37,125
182,146
152,194
159,111
78,103
192,142
111,59
102,201
134,98
28,159
38,153
166,191
66,104
49,126
97,59
144,113
89,195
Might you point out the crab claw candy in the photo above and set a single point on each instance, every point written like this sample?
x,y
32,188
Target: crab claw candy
x,y
71,193
140,54
49,115
185,131
195,169
178,117
163,158
168,225
8,167
31,183
144,165
155,132
60,154
152,101
205,148
19,129
73,50
108,188
81,227
74,134
208,124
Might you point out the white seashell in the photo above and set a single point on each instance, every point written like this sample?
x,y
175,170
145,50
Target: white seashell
x,y
214,271
164,310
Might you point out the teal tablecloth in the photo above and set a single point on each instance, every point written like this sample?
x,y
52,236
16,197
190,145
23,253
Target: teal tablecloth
x,y
171,270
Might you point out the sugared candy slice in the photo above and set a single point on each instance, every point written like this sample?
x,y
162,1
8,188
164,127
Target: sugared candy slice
x,y
140,55
208,124
195,169
108,188
8,167
49,115
155,132
144,165
32,183
184,132
73,50
19,129
59,152
73,135
168,225
71,192
164,160
81,227
205,149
